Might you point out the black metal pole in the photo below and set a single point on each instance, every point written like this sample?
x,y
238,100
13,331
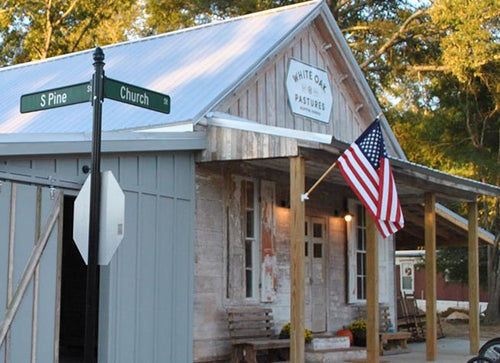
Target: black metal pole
x,y
92,294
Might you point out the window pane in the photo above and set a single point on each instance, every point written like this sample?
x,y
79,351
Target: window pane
x,y
359,264
248,254
318,250
361,215
250,224
360,286
250,194
318,230
407,282
306,252
305,228
248,280
360,240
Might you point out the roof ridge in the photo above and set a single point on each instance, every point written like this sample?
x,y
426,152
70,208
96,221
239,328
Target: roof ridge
x,y
163,35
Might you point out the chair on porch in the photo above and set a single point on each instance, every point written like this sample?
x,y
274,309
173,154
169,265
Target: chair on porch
x,y
412,319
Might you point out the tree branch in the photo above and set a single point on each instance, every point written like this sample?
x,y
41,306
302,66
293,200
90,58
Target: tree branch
x,y
393,39
428,68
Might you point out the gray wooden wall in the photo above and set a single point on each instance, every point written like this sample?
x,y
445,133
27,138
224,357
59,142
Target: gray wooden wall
x,y
23,210
147,290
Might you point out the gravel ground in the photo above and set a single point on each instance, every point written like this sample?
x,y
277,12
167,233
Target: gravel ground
x,y
460,329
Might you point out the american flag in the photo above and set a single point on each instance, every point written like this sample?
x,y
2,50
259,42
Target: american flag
x,y
365,166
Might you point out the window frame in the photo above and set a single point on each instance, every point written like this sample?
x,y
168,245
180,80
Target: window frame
x,y
354,241
254,239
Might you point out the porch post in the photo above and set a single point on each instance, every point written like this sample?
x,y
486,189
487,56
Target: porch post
x,y
473,279
372,313
297,225
430,276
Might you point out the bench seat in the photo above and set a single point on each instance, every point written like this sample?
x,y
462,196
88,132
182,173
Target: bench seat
x,y
393,341
251,331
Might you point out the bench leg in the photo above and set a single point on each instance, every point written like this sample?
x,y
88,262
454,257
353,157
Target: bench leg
x,y
237,355
250,355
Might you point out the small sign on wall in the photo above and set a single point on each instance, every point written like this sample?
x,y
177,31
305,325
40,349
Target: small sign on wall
x,y
309,91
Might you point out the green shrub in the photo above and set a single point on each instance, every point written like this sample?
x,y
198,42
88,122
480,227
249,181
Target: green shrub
x,y
285,333
358,328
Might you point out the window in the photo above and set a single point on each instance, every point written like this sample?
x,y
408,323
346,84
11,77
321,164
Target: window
x,y
356,252
356,244
360,226
251,232
406,273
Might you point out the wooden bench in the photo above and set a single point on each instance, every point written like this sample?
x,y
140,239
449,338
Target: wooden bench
x,y
393,343
389,342
251,331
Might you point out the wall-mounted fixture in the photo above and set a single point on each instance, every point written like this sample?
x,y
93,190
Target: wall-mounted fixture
x,y
348,217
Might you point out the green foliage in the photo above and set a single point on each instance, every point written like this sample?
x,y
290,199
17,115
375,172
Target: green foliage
x,y
286,329
168,15
453,262
31,30
358,328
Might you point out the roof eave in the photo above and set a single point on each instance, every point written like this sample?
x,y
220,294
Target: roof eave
x,y
80,143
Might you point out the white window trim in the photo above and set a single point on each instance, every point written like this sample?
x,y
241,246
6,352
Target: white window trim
x,y
256,244
385,260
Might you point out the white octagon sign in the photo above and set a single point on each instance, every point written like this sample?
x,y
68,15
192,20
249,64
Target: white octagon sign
x,y
111,220
309,91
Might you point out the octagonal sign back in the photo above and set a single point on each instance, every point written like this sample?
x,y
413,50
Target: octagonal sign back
x,y
112,218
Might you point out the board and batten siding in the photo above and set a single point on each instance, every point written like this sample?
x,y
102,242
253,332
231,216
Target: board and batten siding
x,y
146,292
147,289
263,98
24,210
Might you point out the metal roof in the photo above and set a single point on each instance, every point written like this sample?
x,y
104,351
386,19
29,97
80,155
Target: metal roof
x,y
195,66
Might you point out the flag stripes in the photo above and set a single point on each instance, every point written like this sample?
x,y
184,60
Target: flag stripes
x,y
366,168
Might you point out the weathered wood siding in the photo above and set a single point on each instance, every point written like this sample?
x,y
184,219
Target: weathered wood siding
x,y
229,144
219,254
263,98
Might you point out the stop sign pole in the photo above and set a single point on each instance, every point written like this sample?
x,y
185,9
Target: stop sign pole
x,y
79,93
92,294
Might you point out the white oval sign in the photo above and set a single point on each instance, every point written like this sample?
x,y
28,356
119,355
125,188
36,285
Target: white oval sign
x,y
309,91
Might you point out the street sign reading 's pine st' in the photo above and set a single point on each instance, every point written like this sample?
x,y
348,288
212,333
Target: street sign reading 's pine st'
x,y
56,97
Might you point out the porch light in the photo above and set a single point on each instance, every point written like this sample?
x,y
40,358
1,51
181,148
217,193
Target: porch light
x,y
348,217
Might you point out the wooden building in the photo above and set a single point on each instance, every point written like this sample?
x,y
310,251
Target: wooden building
x,y
261,106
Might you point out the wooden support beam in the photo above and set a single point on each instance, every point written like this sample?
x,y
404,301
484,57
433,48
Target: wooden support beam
x,y
372,312
297,268
473,279
430,276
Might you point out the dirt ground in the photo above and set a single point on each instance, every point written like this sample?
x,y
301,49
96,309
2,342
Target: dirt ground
x,y
460,329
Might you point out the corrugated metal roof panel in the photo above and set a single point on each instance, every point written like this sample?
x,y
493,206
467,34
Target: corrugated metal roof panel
x,y
194,66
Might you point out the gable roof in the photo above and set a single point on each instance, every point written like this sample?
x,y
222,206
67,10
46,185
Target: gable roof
x,y
195,66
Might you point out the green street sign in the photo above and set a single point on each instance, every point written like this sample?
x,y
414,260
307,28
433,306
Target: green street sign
x,y
56,97
137,96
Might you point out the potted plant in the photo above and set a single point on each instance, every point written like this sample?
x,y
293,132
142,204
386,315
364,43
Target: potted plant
x,y
285,333
358,329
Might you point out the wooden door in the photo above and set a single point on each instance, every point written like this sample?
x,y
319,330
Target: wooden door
x,y
315,242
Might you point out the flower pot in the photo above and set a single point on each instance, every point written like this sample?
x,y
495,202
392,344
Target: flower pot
x,y
359,341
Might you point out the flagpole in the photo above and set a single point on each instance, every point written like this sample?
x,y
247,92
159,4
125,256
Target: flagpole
x,y
305,196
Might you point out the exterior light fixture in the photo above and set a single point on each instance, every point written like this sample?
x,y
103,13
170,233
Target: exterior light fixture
x,y
348,217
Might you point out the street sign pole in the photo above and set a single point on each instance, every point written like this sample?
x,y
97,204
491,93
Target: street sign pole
x,y
92,294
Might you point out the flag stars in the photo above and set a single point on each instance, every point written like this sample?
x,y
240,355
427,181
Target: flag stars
x,y
372,145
